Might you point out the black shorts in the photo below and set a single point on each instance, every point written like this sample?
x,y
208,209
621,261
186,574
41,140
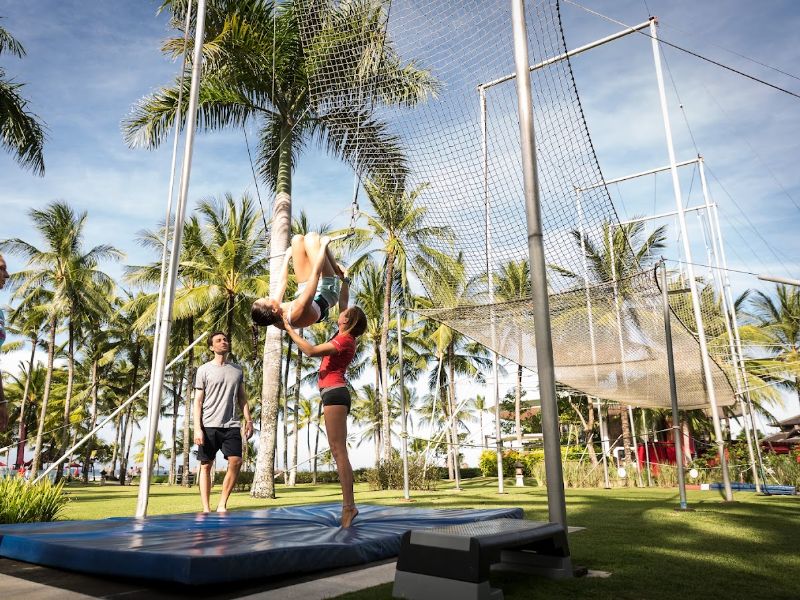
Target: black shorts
x,y
338,396
324,308
227,439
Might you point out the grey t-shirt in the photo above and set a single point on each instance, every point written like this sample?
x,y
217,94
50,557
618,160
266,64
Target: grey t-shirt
x,y
220,383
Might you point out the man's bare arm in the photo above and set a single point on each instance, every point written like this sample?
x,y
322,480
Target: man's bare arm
x,y
245,408
199,395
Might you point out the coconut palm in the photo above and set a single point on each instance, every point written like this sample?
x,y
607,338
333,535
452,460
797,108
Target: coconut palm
x,y
397,221
256,67
21,132
777,331
65,281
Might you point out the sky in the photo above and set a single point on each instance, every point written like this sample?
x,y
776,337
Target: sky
x,y
87,63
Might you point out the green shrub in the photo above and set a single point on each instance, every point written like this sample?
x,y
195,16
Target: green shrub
x,y
160,479
388,475
25,502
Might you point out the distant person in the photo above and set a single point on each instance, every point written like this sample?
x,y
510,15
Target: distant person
x,y
3,402
219,389
318,286
337,355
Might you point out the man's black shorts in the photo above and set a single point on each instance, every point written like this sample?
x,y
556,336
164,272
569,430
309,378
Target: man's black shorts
x,y
227,439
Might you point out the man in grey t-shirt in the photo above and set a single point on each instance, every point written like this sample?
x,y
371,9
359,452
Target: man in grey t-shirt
x,y
219,389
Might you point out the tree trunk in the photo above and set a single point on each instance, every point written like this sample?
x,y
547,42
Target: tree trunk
x,y
127,423
177,384
454,413
264,479
187,407
316,444
626,439
87,457
518,403
22,432
115,447
296,437
589,431
51,349
285,391
386,427
68,398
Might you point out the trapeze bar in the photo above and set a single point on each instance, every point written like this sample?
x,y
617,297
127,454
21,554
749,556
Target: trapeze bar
x,y
662,215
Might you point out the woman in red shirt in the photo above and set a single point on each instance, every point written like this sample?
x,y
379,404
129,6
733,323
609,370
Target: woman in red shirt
x,y
337,355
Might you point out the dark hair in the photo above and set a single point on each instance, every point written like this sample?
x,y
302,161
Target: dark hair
x,y
356,321
215,334
263,315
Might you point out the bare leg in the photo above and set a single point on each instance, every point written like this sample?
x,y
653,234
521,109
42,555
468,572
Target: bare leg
x,y
336,429
234,466
300,258
204,481
313,250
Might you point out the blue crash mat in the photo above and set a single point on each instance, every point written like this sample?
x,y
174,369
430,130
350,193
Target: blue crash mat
x,y
210,548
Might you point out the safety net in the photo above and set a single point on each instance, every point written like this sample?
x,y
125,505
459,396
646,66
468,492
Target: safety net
x,y
423,94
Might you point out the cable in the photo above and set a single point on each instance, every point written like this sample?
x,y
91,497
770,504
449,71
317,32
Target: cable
x,y
687,51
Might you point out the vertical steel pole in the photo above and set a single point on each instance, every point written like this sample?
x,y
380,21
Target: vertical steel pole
x,y
677,434
728,308
541,306
403,417
701,332
490,284
157,377
737,337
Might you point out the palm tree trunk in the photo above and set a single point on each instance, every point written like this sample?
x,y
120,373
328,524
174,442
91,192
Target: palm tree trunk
x,y
285,391
127,425
68,399
187,407
296,442
518,403
87,457
386,433
177,384
264,480
230,303
626,440
22,433
316,444
115,447
453,406
51,349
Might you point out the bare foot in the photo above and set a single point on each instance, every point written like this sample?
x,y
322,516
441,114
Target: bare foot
x,y
349,513
222,510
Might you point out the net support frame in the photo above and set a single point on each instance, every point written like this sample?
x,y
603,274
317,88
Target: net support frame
x,y
704,356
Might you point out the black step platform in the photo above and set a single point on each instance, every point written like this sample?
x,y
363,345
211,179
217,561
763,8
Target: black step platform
x,y
455,561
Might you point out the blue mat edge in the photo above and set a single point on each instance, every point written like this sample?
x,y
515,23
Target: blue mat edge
x,y
196,570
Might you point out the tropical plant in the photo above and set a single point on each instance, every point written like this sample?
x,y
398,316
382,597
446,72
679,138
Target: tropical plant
x,y
21,132
256,68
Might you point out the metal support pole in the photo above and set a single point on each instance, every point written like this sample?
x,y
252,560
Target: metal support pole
x,y
604,445
701,333
541,306
728,308
646,437
403,417
490,283
677,434
157,376
735,322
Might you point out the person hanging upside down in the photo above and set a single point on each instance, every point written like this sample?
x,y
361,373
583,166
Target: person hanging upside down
x,y
318,286
337,355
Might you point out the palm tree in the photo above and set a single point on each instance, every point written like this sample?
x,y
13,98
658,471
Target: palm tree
x,y
21,133
256,68
368,416
398,223
513,282
777,331
65,281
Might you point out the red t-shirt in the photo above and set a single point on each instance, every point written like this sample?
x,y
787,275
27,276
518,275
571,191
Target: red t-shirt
x,y
334,366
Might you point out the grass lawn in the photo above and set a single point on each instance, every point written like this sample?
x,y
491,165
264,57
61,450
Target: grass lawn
x,y
748,549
